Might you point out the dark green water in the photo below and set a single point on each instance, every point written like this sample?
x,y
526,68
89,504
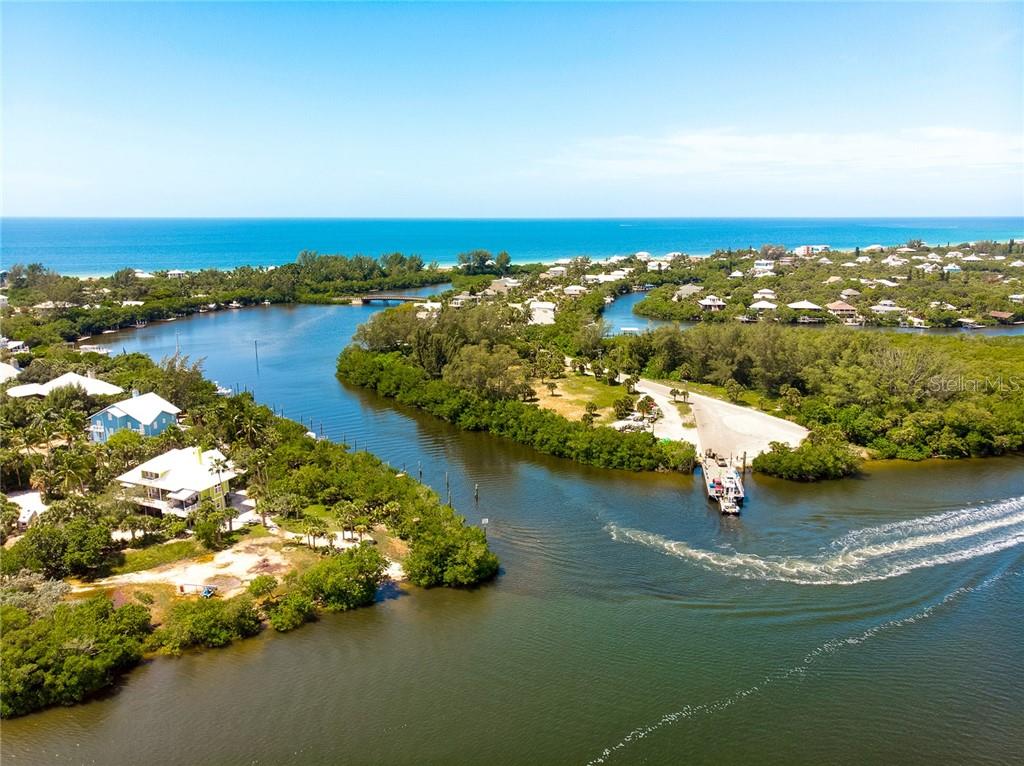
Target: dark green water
x,y
866,621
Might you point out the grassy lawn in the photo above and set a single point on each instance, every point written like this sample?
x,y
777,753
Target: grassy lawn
x,y
156,555
573,393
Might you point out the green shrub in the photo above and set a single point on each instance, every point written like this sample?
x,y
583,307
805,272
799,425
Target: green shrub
x,y
818,457
262,585
207,622
68,655
345,580
292,611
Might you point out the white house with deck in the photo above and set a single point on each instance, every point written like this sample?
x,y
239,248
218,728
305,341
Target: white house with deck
x,y
177,481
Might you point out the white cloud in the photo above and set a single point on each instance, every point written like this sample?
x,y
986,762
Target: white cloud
x,y
802,156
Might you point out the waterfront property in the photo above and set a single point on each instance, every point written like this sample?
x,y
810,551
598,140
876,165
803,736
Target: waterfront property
x,y
177,481
91,385
147,414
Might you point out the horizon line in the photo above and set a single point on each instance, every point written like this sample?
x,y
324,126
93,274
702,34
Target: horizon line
x,y
1019,216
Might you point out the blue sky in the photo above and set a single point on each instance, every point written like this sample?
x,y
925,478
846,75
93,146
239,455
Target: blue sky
x,y
707,109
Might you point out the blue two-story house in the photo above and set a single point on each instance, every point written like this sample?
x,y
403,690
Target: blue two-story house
x,y
146,414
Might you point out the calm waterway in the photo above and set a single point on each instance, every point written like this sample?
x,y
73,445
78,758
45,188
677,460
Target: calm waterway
x,y
870,620
620,317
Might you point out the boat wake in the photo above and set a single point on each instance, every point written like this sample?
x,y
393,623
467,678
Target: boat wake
x,y
873,553
816,655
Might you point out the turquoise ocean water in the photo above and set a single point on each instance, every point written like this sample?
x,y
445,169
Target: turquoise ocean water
x,y
90,246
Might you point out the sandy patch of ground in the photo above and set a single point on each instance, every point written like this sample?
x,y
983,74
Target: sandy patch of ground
x,y
231,569
730,429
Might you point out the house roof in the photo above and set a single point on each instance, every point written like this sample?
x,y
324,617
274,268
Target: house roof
x,y
181,469
805,305
840,306
1001,314
145,408
711,300
8,372
763,305
92,386
30,504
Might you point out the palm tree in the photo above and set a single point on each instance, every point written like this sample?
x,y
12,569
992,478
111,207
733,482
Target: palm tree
x,y
645,405
71,425
345,512
674,393
70,468
313,528
230,514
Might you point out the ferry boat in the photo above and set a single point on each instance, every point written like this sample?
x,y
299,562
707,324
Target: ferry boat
x,y
723,483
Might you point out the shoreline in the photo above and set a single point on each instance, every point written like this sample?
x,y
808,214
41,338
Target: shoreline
x,y
450,258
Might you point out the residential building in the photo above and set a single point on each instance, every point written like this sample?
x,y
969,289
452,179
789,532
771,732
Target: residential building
x,y
91,385
8,372
887,306
841,309
146,414
685,291
542,312
804,306
177,481
712,303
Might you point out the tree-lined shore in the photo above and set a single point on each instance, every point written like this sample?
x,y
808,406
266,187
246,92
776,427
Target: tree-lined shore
x,y
60,651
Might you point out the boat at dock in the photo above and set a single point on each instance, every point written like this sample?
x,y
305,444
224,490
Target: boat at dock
x,y
723,483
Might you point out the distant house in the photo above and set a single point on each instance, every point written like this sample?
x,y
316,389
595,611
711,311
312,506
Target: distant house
x,y
428,309
176,273
175,482
1017,298
849,292
887,307
8,372
92,386
685,291
804,306
148,415
765,292
951,268
30,508
764,265
462,299
1001,316
503,285
736,275
542,312
762,305
806,250
555,272
873,249
712,303
841,309
658,265
574,290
